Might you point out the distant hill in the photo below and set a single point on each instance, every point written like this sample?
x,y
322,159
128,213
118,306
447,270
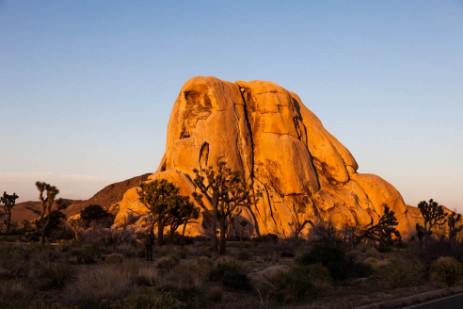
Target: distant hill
x,y
105,198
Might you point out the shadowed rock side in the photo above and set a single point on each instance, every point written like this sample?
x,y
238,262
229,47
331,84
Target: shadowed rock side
x,y
279,146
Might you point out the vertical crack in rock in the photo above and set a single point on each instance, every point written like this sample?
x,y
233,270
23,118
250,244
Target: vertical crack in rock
x,y
248,127
204,155
269,202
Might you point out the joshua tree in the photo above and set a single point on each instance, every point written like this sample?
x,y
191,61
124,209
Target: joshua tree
x,y
227,193
158,196
452,222
182,210
47,197
75,225
382,232
433,214
9,201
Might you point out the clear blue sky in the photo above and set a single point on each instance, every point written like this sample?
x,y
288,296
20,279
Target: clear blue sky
x,y
86,87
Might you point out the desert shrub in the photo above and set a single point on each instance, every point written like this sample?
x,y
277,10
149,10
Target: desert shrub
x,y
398,274
287,254
140,253
188,274
15,295
244,255
335,260
114,258
299,282
146,276
166,263
267,238
148,299
51,275
5,274
96,283
332,258
230,273
214,294
99,235
204,260
268,257
360,269
98,214
375,263
128,250
15,260
185,294
433,248
180,252
446,270
83,255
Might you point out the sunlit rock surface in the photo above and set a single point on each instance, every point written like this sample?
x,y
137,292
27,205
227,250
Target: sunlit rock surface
x,y
280,147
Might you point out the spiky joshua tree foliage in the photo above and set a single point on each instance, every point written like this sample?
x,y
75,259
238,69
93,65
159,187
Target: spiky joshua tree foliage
x,y
433,215
383,233
226,193
167,206
8,201
47,197
181,211
455,226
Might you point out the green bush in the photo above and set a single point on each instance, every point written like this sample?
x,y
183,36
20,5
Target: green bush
x,y
446,270
298,283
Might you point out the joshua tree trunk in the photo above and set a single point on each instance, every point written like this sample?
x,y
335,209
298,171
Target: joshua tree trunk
x,y
171,234
160,238
76,234
184,229
212,228
44,230
8,223
222,239
256,224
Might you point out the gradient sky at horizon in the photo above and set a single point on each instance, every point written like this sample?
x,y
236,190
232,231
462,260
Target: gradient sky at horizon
x,y
86,87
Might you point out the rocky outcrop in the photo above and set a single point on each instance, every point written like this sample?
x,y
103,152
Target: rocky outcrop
x,y
106,198
280,147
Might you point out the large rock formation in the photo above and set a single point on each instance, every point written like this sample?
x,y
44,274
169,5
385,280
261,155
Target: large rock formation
x,y
279,146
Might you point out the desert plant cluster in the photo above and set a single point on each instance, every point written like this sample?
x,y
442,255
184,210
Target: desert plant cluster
x,y
81,262
107,269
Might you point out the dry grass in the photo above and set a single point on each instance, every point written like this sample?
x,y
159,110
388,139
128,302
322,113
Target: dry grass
x,y
100,282
446,271
253,275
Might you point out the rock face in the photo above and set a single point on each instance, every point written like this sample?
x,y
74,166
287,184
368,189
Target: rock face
x,y
280,147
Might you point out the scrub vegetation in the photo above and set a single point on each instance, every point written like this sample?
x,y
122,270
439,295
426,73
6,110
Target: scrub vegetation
x,y
81,262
